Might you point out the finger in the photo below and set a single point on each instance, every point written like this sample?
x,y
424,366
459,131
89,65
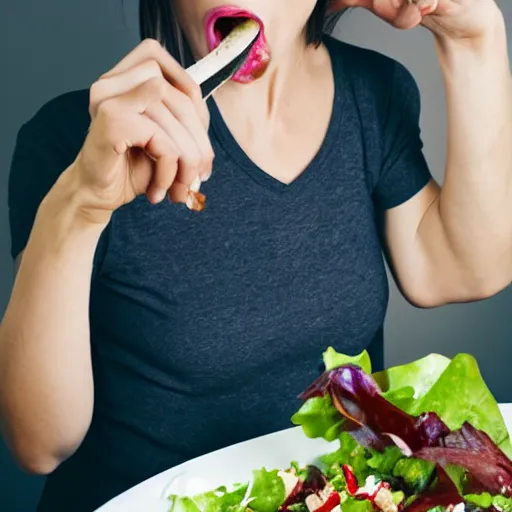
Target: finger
x,y
116,85
426,7
408,16
190,158
186,114
137,100
164,175
402,14
172,70
178,192
155,179
122,127
385,9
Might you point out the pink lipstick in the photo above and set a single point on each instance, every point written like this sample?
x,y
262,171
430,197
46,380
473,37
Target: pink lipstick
x,y
219,22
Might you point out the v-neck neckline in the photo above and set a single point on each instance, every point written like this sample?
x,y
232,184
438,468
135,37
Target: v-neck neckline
x,y
236,153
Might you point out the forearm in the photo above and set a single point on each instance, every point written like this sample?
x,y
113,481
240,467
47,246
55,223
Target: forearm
x,y
46,384
474,208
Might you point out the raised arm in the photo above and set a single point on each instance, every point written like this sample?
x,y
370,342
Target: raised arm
x,y
146,137
454,244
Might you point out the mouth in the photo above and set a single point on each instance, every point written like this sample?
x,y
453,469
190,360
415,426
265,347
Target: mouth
x,y
219,22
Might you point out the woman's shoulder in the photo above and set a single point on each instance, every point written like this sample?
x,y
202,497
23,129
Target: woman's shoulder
x,y
368,68
64,118
69,103
46,145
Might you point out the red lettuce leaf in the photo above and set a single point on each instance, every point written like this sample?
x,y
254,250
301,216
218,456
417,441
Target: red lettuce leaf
x,y
475,451
314,482
357,397
372,421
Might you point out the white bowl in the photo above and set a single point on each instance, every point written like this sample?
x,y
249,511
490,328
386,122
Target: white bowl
x,y
229,465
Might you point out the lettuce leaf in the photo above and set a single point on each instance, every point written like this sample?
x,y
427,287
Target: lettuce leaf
x,y
319,418
333,359
489,468
485,501
416,473
349,452
218,500
353,505
266,494
439,496
502,503
454,389
384,462
183,504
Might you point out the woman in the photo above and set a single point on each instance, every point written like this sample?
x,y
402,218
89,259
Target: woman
x,y
140,333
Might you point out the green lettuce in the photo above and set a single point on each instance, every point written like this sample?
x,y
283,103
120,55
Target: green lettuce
x,y
454,389
218,500
266,494
502,503
354,505
351,452
319,418
416,473
268,491
383,463
486,501
333,359
402,385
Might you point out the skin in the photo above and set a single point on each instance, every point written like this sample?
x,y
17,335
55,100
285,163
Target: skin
x,y
448,244
454,244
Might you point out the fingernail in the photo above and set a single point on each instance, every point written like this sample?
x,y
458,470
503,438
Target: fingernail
x,y
427,7
206,176
160,195
195,185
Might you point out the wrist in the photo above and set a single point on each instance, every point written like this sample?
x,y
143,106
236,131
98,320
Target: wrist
x,y
69,198
488,46
64,212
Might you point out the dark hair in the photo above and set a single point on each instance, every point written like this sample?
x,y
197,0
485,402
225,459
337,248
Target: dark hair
x,y
157,21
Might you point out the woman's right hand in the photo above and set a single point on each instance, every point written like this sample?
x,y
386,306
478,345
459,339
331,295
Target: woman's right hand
x,y
148,134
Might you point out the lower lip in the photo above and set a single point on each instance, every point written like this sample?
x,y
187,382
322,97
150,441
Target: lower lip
x,y
259,57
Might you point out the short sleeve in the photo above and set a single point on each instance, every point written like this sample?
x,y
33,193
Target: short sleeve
x,y
45,146
35,167
404,170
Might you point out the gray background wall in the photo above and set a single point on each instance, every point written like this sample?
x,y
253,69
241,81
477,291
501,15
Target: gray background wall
x,y
54,46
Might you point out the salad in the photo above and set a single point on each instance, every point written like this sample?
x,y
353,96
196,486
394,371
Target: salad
x,y
423,437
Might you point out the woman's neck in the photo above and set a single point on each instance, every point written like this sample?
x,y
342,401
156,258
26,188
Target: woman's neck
x,y
273,90
281,120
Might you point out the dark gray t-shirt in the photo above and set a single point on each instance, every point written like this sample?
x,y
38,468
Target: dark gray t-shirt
x,y
205,327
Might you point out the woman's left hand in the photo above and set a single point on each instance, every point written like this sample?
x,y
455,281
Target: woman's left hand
x,y
453,19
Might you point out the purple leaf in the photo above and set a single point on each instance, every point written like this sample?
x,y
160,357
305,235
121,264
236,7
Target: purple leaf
x,y
357,397
313,483
373,421
475,451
